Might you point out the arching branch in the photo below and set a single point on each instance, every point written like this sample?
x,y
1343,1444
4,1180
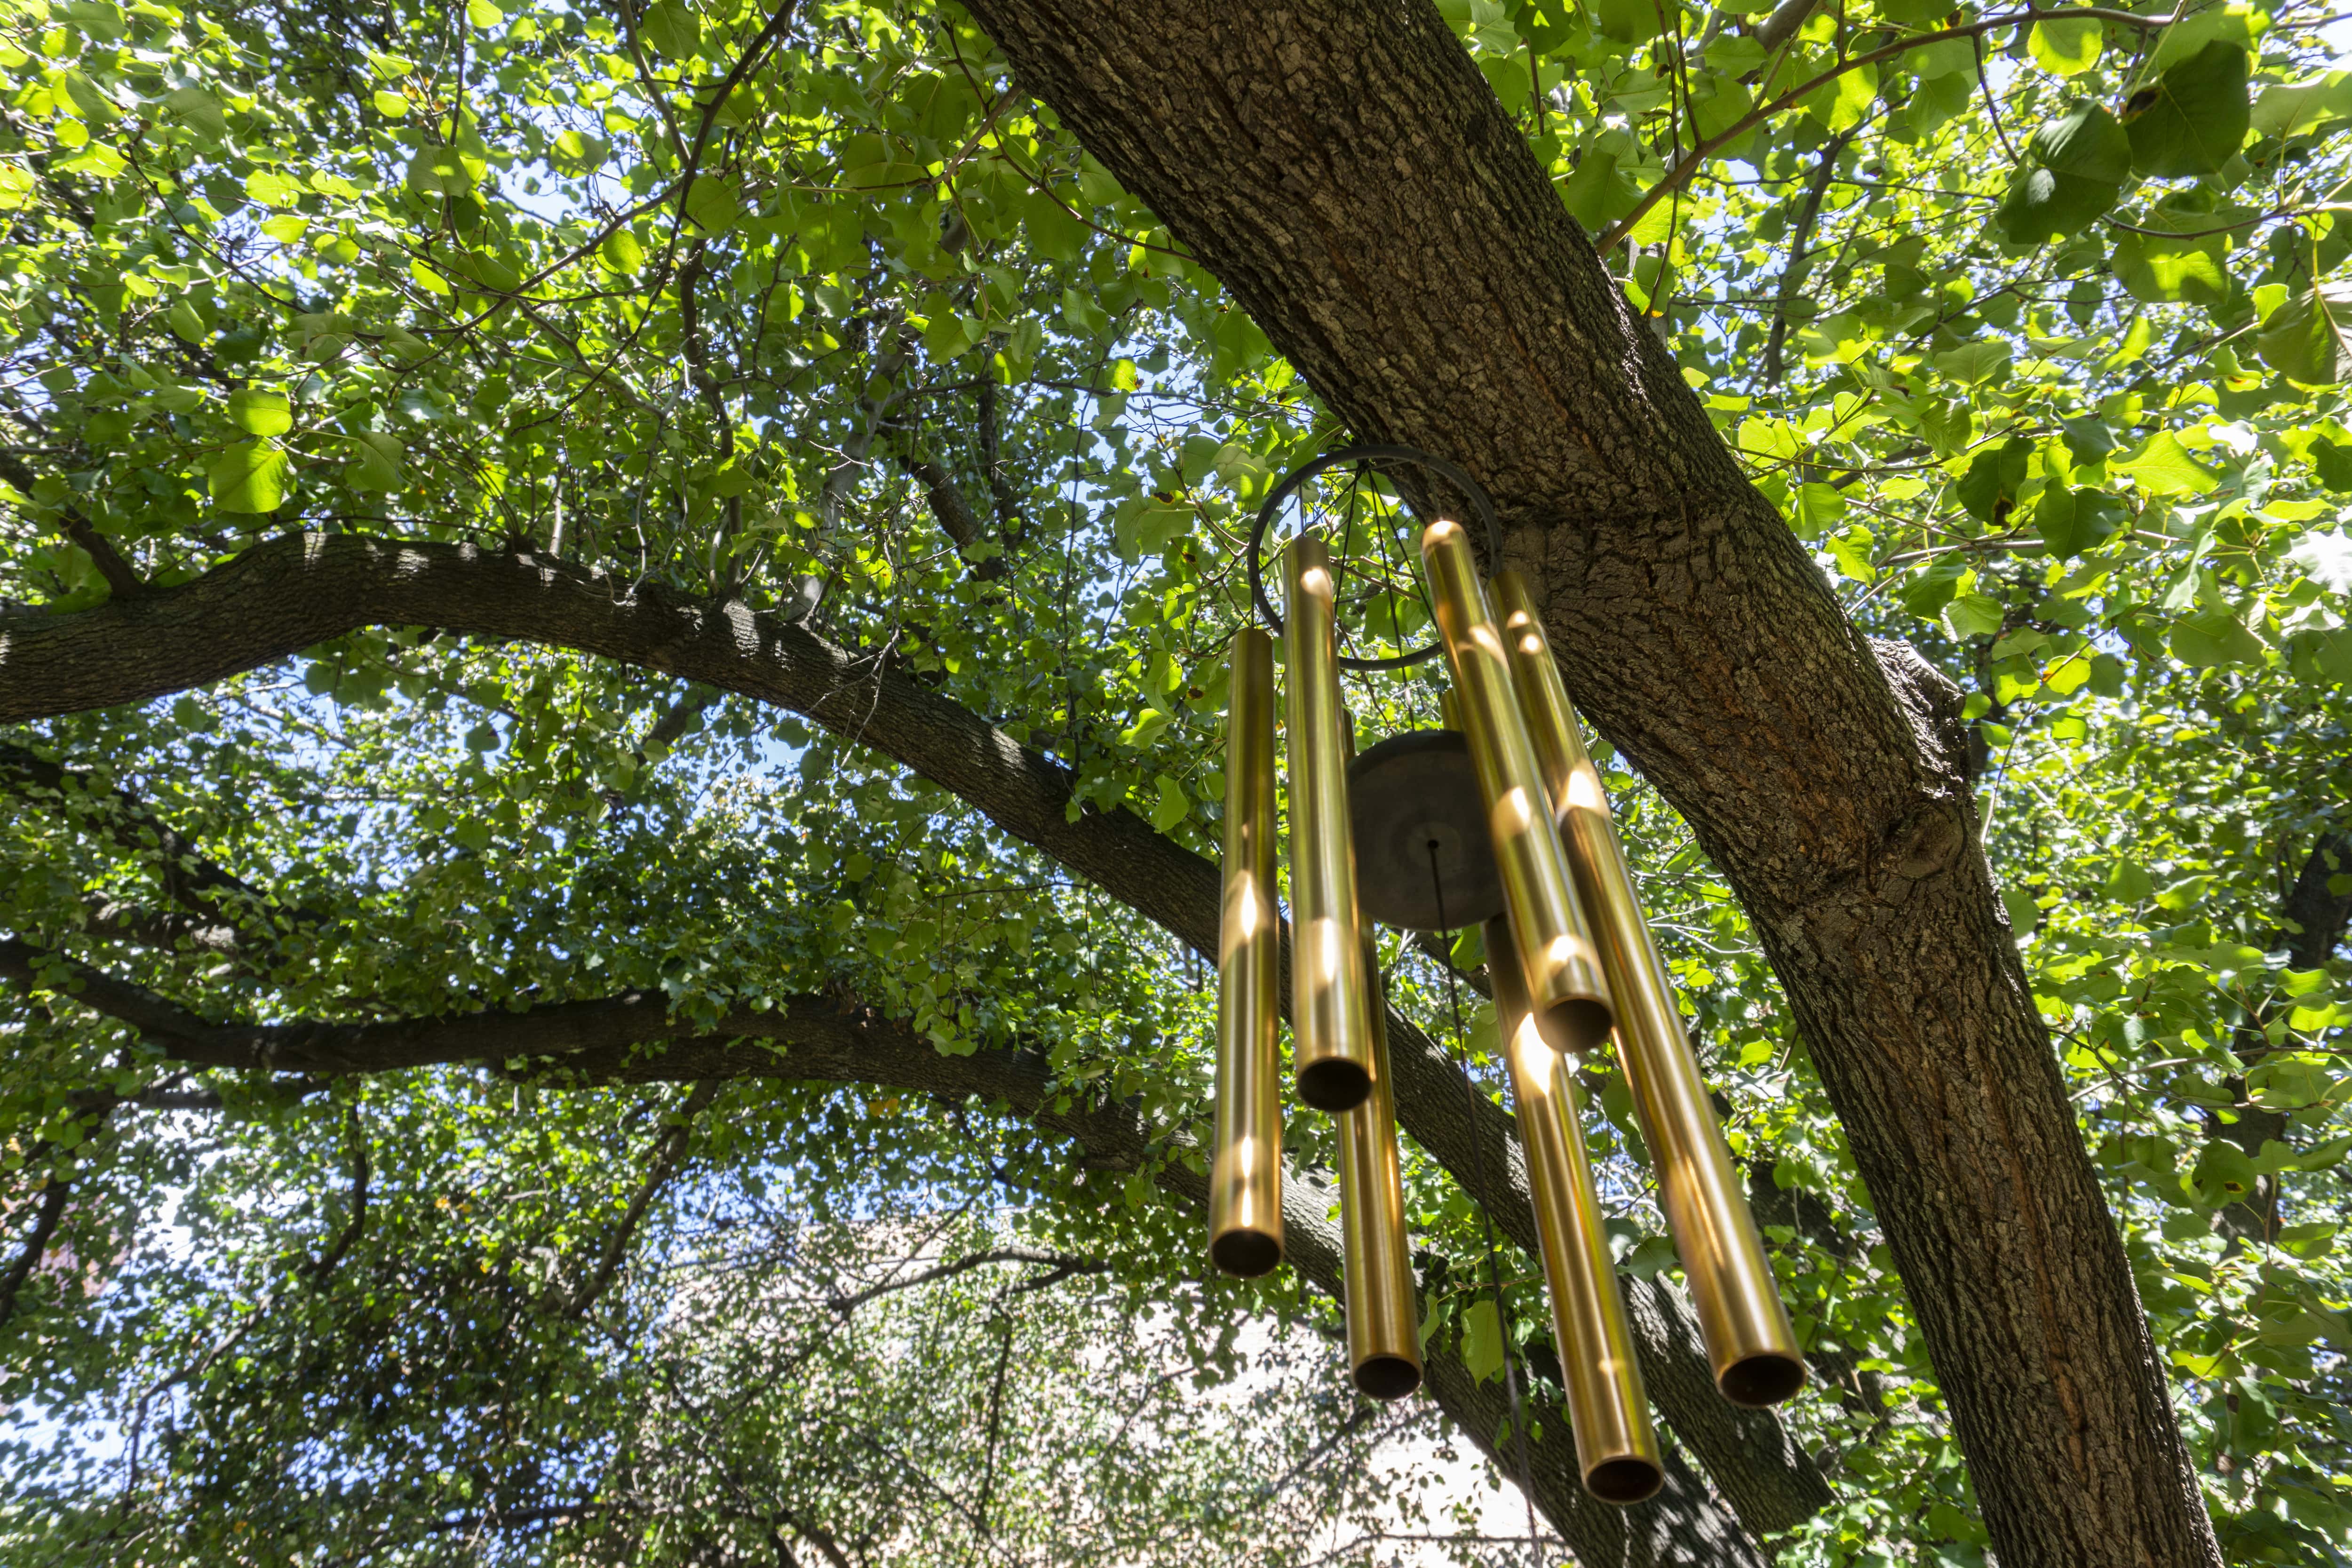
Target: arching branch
x,y
292,593
829,1039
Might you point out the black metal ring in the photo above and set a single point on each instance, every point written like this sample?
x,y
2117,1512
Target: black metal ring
x,y
1373,455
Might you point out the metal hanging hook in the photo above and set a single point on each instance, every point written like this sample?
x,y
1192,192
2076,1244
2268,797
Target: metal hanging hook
x,y
1376,457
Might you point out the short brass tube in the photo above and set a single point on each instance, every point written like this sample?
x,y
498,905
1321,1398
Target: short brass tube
x,y
1330,1030
1246,1174
1383,1319
1754,1351
1569,991
1616,1448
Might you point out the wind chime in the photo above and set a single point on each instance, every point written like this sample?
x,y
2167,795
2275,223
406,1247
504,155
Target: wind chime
x,y
1497,820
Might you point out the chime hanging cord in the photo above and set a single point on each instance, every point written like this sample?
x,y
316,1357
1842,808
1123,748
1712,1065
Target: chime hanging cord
x,y
1494,1253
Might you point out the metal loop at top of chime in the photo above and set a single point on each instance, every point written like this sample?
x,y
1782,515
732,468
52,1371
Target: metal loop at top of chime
x,y
1497,820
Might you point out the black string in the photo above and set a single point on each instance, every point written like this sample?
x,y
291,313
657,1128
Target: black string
x,y
1486,1219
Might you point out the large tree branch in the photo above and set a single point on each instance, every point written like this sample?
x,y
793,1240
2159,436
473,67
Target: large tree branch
x,y
2311,920
292,593
1792,271
1059,1266
1344,169
46,1219
832,1040
190,878
666,1163
121,580
2314,914
954,513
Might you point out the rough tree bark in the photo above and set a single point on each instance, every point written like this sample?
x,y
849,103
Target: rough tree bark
x,y
1343,168
2310,929
633,1038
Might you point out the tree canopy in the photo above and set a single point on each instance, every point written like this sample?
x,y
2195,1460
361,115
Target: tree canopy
x,y
611,625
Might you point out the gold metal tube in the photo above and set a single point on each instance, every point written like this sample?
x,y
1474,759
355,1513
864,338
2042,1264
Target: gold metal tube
x,y
1570,995
1754,1351
1616,1449
1245,1175
1383,1319
1330,1030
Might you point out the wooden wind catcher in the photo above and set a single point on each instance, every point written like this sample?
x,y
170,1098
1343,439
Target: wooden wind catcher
x,y
1497,820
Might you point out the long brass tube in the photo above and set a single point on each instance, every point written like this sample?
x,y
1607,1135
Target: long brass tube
x,y
1383,1320
1330,1028
1570,993
1755,1353
1246,1175
1616,1449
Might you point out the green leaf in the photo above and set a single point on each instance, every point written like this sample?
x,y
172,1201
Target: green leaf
x,y
673,30
2307,338
1843,104
2214,638
2065,48
2165,268
2286,108
716,204
2073,521
2128,884
2043,205
2162,467
375,462
1146,729
2089,143
1995,474
575,153
442,170
1974,364
2311,1239
490,271
1172,806
273,189
260,413
197,109
1629,21
1482,1339
248,476
2325,1156
482,14
186,324
1973,616
2289,1082
2190,120
2223,1173
1819,508
1718,102
1596,195
621,252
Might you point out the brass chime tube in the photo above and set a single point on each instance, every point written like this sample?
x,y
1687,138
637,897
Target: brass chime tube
x,y
1616,1449
1755,1352
1569,994
1330,1027
1246,1175
1383,1320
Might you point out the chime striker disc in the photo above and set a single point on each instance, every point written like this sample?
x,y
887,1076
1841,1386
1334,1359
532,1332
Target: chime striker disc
x,y
1415,797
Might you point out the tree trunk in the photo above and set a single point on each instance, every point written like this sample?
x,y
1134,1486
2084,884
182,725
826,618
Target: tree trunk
x,y
1344,169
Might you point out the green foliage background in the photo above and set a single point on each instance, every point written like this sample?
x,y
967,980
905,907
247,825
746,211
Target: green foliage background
x,y
2031,326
